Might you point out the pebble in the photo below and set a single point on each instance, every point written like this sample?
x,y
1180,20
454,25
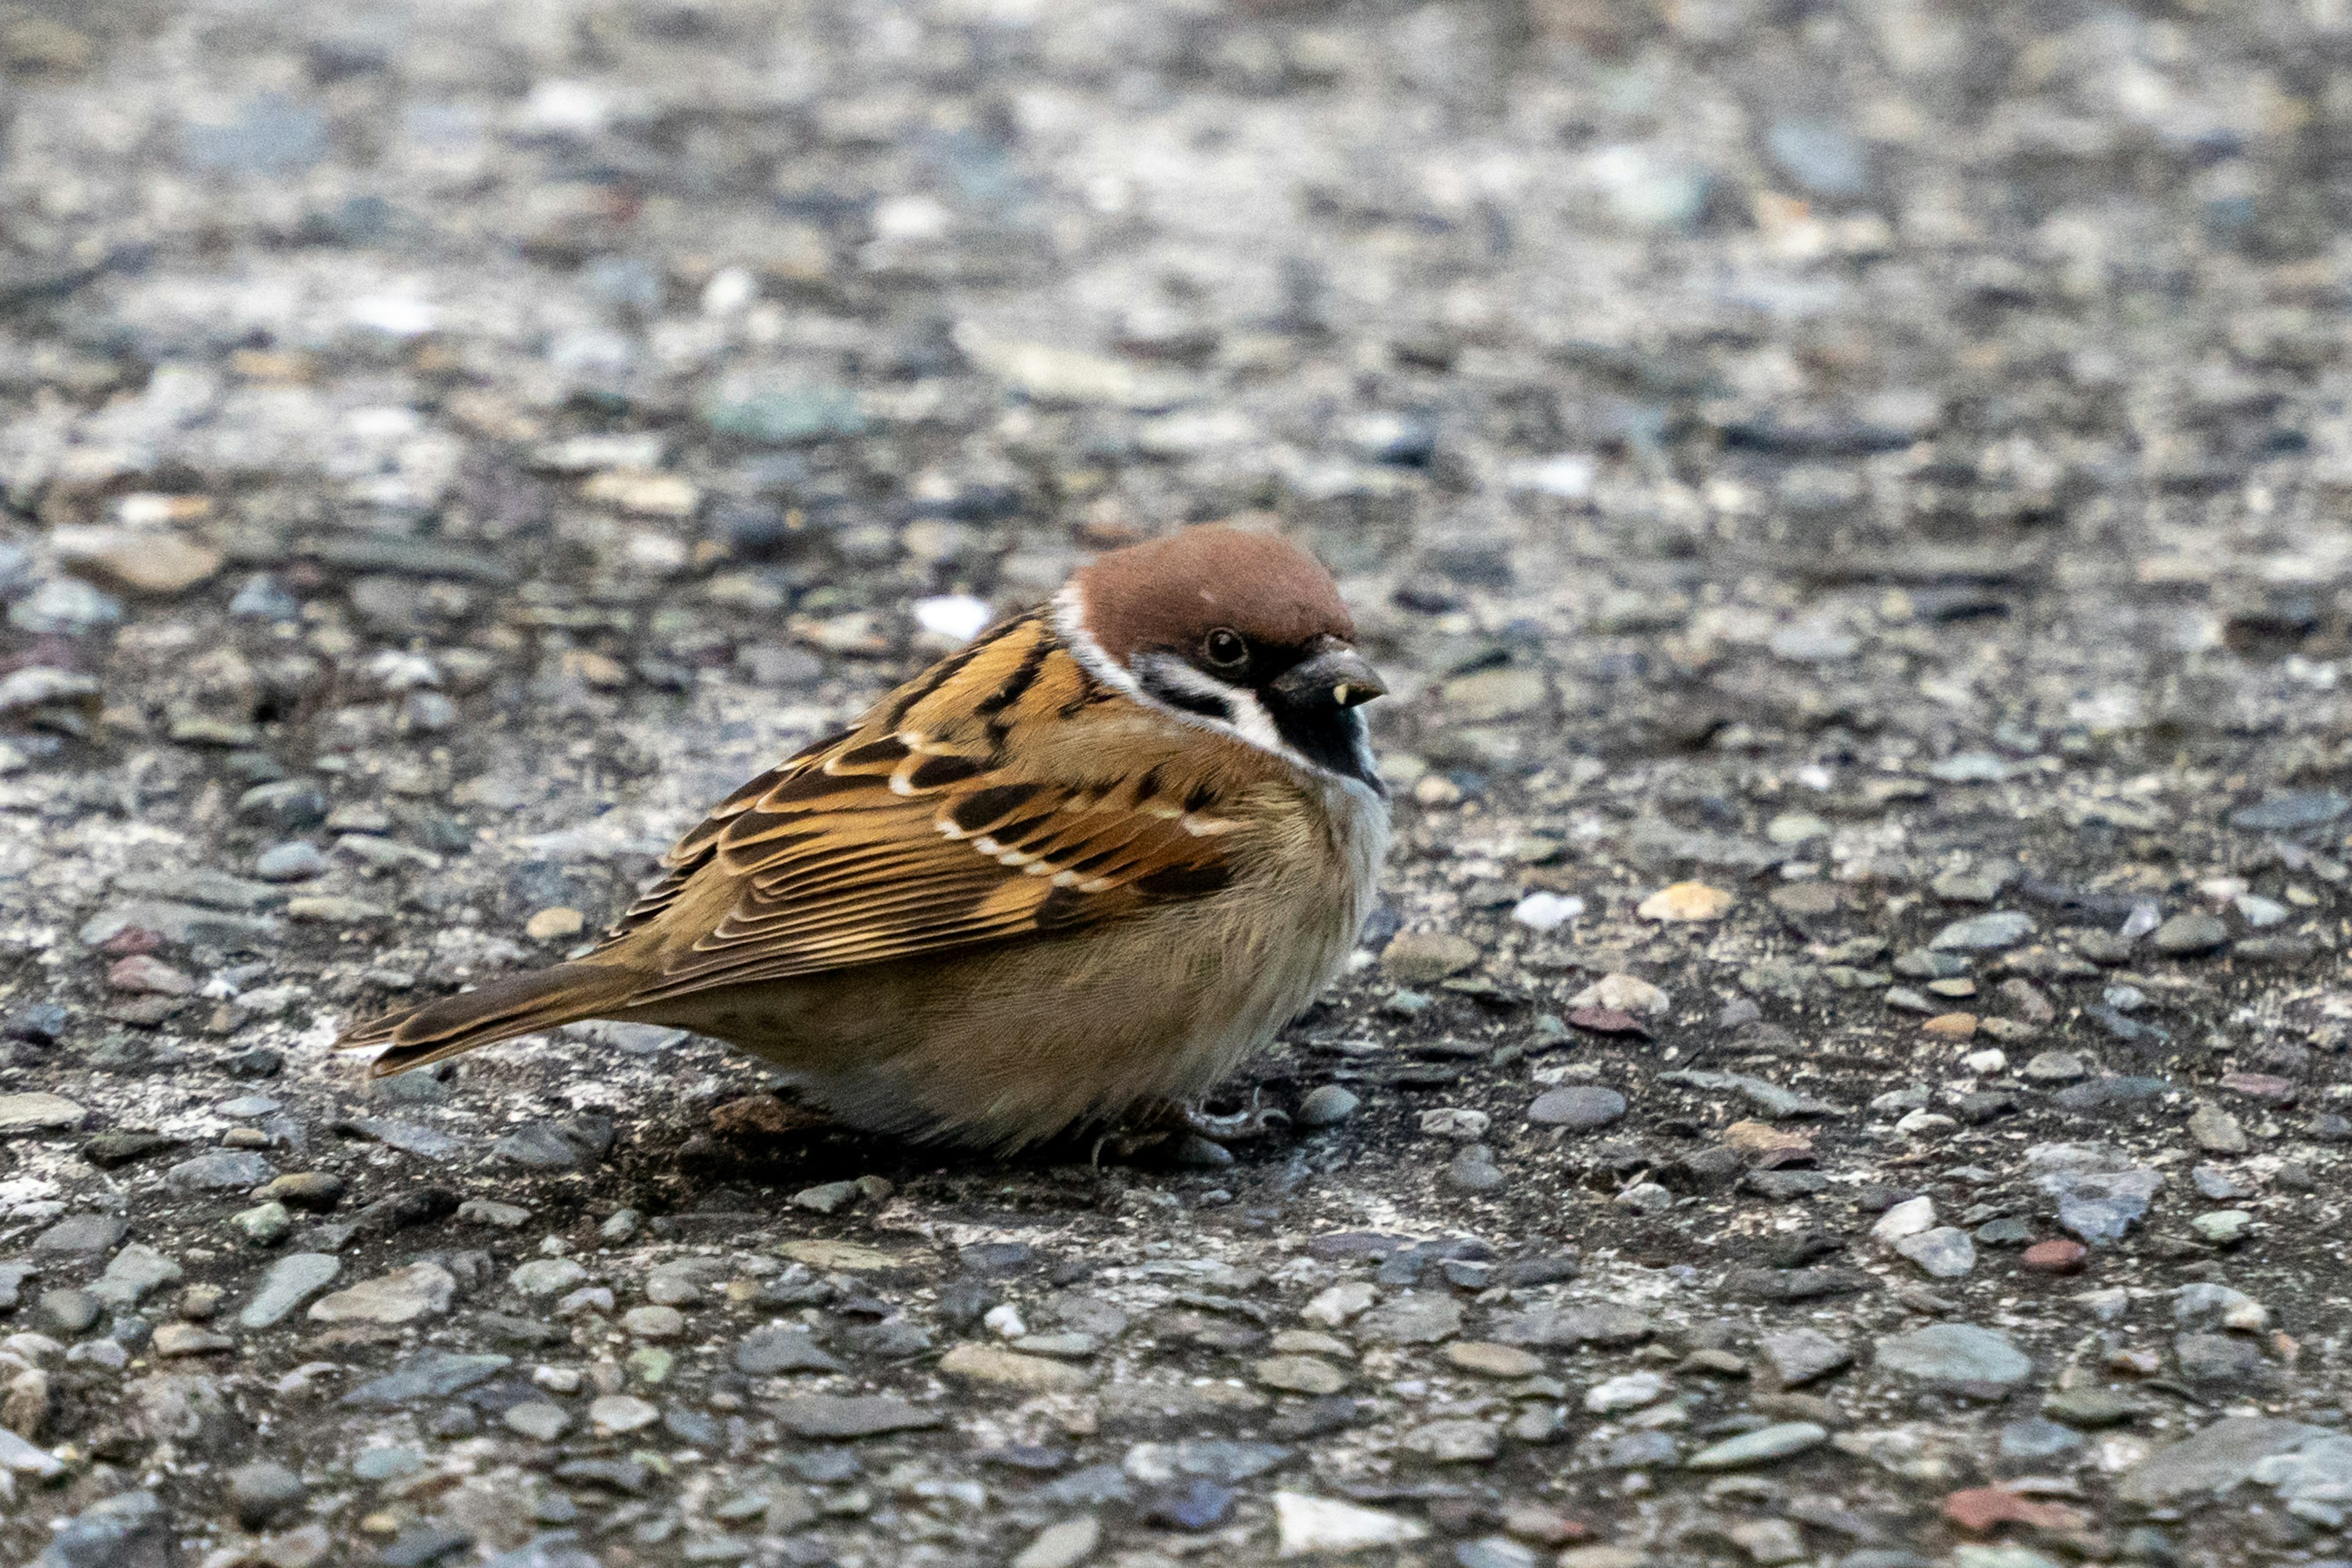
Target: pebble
x,y
420,1290
1944,1253
777,1349
2190,935
1004,1368
1984,933
1686,903
288,1282
262,1491
1765,1446
2056,1255
1577,1108
1490,1360
1305,1374
823,1415
1630,1391
622,1412
1423,958
1415,1317
1327,1106
1063,1545
38,1112
219,1173
537,1419
546,1276
297,860
1463,1442
1308,1526
82,1233
1954,1352
1799,1356
2215,1130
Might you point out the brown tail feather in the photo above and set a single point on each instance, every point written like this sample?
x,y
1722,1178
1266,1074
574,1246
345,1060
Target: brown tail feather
x,y
499,1010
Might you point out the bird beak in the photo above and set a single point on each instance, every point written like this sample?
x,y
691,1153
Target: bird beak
x,y
1338,672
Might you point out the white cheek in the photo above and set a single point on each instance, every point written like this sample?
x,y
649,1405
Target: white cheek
x,y
1254,723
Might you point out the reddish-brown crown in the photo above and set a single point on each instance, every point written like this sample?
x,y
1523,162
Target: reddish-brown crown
x,y
1171,592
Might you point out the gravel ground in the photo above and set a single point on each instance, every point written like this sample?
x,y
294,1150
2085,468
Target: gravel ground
x,y
1851,500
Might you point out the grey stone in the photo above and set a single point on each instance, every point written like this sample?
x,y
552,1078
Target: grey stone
x,y
130,1273
291,1281
262,1490
129,1529
2102,1095
1454,1442
1798,1356
82,1233
11,1283
408,1137
1954,1352
1578,1108
2215,1130
1571,1326
555,1145
38,1112
2212,1461
420,1290
1769,1097
546,1276
2190,935
2101,1193
187,924
1943,1253
828,1415
1762,1447
2215,1359
1327,1106
67,1312
765,1352
224,1171
298,861
1984,933
1473,1170
2036,1439
1415,1317
2291,812
430,1374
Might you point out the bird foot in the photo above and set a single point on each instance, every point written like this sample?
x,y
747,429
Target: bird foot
x,y
1188,1135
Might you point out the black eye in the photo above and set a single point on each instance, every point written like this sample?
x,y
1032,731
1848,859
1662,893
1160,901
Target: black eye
x,y
1224,649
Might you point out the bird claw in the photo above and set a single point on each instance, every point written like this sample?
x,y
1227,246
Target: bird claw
x,y
1190,1128
1241,1127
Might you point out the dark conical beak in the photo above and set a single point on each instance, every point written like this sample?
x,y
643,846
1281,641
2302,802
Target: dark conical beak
x,y
1338,673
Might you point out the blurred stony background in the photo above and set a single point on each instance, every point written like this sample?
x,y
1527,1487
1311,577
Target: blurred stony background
x,y
1849,498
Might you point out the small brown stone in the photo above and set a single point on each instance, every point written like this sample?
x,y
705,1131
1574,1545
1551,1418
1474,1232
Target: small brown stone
x,y
2056,1255
1758,1139
1493,1360
1951,1026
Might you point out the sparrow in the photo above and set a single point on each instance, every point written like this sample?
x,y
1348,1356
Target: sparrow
x,y
1067,877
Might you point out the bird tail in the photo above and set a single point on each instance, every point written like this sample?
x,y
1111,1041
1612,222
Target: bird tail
x,y
497,1010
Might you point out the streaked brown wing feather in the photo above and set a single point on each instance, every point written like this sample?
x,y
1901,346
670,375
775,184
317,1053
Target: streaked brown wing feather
x,y
942,820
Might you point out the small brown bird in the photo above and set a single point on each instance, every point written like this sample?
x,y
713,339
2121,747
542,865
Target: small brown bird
x,y
1069,876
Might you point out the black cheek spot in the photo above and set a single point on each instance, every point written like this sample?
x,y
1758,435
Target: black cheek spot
x,y
1184,881
982,806
932,773
1201,797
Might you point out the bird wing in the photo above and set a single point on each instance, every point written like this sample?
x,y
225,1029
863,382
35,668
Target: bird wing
x,y
1005,792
